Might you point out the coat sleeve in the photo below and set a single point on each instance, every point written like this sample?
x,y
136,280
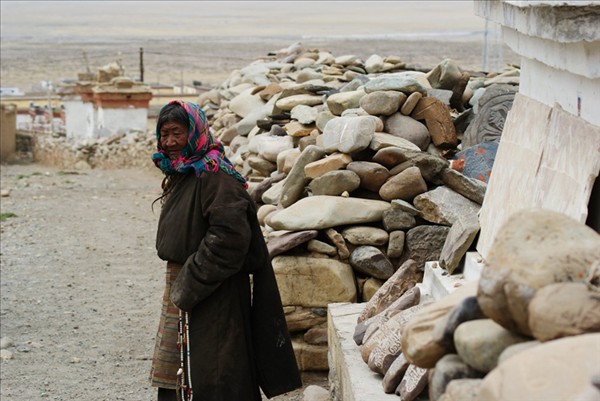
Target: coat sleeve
x,y
223,249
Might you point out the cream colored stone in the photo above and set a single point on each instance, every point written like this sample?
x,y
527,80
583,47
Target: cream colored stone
x,y
318,212
307,282
535,248
556,370
310,356
418,345
370,287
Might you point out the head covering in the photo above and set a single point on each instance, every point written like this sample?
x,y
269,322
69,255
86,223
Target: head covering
x,y
201,153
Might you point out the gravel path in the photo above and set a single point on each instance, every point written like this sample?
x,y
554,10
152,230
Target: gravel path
x,y
81,285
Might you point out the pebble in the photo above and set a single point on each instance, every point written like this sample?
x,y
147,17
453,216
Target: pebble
x,y
23,348
6,342
5,355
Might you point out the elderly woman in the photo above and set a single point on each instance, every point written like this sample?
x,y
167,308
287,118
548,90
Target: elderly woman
x,y
219,337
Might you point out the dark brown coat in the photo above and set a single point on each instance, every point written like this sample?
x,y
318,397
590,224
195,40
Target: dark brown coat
x,y
238,336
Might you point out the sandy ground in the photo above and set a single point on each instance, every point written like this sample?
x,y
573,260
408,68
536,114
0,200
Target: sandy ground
x,y
81,284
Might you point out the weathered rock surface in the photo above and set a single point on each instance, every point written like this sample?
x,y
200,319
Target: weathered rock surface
x,y
418,345
335,183
444,206
365,235
348,134
532,374
564,309
405,185
318,212
313,282
400,282
449,367
286,241
480,343
424,243
535,248
460,237
372,262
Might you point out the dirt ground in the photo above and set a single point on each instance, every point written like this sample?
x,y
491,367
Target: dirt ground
x,y
81,284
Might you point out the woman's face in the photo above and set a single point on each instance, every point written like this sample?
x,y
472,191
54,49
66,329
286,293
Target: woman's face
x,y
173,138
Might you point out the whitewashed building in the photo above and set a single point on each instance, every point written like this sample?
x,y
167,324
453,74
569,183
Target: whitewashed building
x,y
96,110
549,154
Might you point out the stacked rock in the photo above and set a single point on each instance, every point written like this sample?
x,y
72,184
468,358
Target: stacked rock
x,y
528,329
349,162
126,150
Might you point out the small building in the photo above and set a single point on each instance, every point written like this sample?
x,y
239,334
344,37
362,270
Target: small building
x,y
120,106
102,109
8,132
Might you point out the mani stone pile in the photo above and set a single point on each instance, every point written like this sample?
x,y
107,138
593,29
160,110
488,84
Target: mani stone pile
x,y
527,330
358,167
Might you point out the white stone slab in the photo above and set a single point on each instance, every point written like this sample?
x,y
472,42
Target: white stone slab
x,y
350,378
547,158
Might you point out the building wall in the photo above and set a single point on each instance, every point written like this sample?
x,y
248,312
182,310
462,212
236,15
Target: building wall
x,y
8,132
80,117
114,121
549,154
576,94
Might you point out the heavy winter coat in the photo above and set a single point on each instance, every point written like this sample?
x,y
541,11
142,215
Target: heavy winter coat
x,y
238,334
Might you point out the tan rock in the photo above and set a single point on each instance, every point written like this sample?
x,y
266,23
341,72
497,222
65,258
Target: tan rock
x,y
410,103
301,319
332,162
438,121
370,287
338,240
372,175
535,248
313,282
316,335
418,345
288,103
310,356
556,370
405,185
295,129
564,309
365,235
402,280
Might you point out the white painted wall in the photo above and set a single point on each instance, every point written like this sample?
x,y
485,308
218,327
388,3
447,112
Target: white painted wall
x,y
114,121
576,94
559,46
79,117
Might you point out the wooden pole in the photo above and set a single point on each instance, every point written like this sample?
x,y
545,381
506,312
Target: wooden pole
x,y
141,64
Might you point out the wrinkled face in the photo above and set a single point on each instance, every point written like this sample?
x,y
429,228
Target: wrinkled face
x,y
173,138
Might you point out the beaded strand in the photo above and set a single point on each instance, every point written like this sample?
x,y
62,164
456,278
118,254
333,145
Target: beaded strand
x,y
183,344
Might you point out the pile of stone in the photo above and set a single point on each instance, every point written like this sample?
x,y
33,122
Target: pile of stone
x,y
524,331
349,161
127,150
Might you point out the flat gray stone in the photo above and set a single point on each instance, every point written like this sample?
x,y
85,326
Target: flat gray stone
x,y
371,261
444,206
460,237
319,212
